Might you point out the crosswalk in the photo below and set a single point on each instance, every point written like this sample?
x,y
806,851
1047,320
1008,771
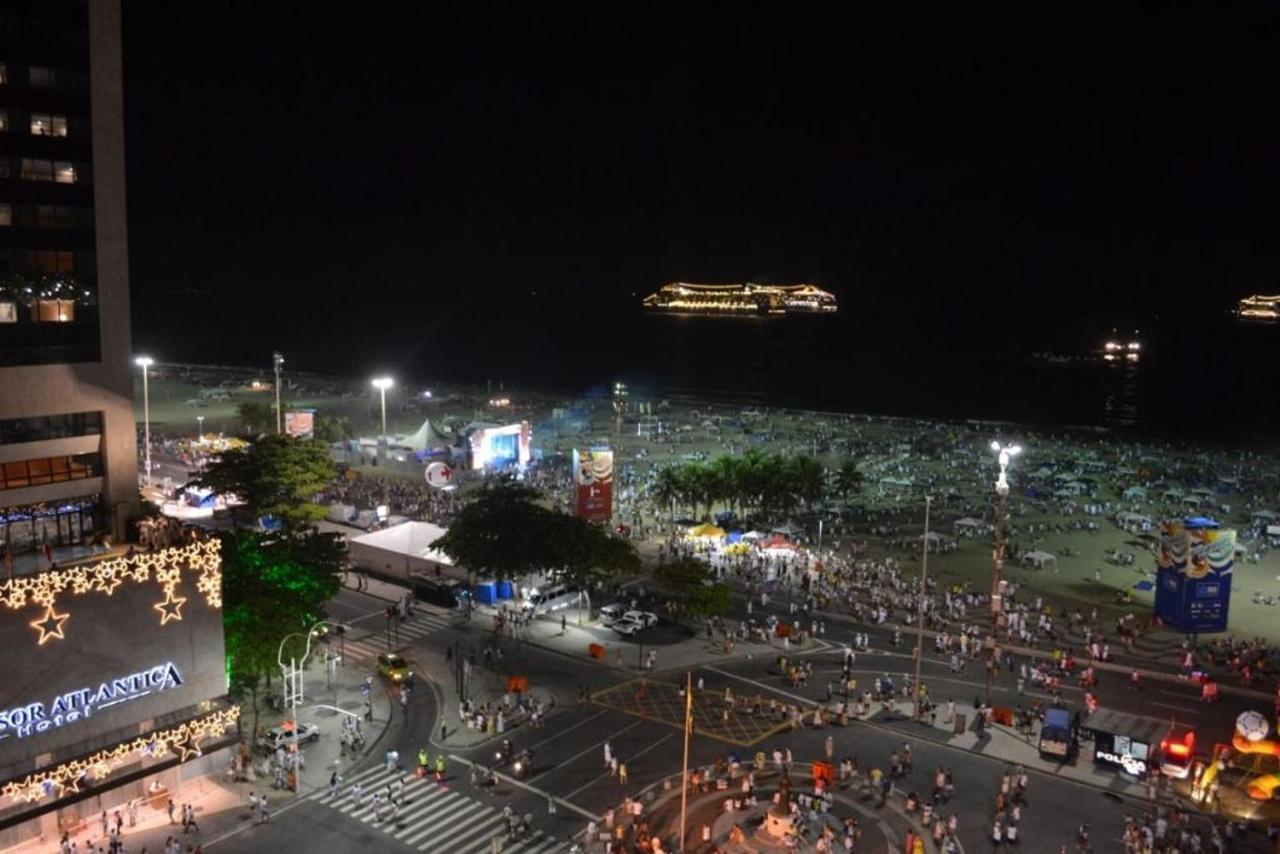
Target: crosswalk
x,y
433,817
417,627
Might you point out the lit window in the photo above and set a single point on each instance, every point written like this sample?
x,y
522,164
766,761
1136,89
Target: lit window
x,y
4,120
40,77
64,172
6,213
43,124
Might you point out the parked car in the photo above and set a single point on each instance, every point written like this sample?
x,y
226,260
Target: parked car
x,y
611,613
628,626
443,593
394,668
277,737
645,618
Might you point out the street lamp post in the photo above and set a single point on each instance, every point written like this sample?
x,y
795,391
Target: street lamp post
x,y
277,363
1004,454
293,683
924,575
200,429
382,384
146,362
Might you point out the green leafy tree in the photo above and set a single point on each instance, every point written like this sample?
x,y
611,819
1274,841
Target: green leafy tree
x,y
693,587
668,487
507,533
277,475
808,481
256,417
332,428
273,585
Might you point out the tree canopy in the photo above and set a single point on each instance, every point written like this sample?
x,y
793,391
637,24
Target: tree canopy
x,y
256,417
274,584
504,531
696,592
767,484
277,475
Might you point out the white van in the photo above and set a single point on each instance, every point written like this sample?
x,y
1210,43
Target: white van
x,y
544,600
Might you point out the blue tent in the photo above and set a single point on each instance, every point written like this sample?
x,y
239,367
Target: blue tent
x,y
1195,522
734,536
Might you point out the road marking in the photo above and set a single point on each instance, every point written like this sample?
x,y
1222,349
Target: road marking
x,y
490,821
452,815
588,749
1191,710
544,793
566,730
607,773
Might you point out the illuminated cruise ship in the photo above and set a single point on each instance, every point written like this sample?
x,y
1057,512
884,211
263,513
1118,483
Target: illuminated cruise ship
x,y
746,299
1259,307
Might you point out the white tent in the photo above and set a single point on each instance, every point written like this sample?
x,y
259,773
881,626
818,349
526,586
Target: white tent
x,y
785,530
1135,492
402,549
1125,519
1262,515
968,525
1039,559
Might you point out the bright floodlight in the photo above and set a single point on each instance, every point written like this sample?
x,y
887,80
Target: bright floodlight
x,y
383,383
995,446
144,361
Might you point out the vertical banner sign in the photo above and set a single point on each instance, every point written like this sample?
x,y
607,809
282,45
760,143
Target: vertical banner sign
x,y
1193,578
593,477
300,424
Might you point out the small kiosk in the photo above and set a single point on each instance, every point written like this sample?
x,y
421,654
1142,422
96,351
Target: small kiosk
x,y
1124,741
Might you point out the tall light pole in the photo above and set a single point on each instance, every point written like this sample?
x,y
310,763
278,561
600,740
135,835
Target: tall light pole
x,y
382,384
277,362
199,429
1004,454
924,574
146,362
294,685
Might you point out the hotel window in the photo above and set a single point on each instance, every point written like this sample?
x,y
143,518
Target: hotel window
x,y
4,120
43,124
64,172
55,216
37,170
40,77
4,74
6,213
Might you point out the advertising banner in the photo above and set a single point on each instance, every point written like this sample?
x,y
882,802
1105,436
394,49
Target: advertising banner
x,y
1193,578
300,424
593,478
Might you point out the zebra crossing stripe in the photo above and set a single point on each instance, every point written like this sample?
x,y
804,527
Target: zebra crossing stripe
x,y
345,809
490,824
429,800
483,842
443,819
399,820
536,839
326,796
474,822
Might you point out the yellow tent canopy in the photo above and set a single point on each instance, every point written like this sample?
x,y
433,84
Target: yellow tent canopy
x,y
706,529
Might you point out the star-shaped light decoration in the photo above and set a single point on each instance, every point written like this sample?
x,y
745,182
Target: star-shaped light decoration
x,y
108,581
186,747
50,625
171,607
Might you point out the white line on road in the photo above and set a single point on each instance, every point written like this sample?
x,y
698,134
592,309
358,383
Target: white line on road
x,y
1191,710
607,773
566,730
542,792
588,749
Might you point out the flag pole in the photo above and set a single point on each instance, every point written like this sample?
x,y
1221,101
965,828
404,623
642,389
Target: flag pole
x,y
684,774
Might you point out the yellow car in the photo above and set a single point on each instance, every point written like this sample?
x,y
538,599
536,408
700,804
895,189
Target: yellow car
x,y
394,668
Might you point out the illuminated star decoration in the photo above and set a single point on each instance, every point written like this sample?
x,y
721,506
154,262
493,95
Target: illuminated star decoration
x,y
164,567
183,739
50,625
171,607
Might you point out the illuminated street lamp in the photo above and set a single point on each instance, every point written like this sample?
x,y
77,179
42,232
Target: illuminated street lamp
x,y
382,384
199,429
145,362
1004,454
277,362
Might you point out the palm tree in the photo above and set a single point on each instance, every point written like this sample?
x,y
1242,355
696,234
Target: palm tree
x,y
668,488
808,480
848,480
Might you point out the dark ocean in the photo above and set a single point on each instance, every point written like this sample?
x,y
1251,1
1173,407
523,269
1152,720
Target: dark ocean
x,y
1212,379
1201,375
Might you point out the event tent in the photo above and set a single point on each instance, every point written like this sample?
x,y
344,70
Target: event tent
x,y
401,550
785,530
1125,519
706,529
1039,559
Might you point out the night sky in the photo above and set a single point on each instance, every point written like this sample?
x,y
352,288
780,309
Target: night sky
x,y
365,173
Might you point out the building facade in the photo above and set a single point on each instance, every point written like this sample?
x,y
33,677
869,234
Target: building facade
x,y
68,441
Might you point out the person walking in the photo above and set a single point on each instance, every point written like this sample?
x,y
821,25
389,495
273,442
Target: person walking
x,y
622,773
171,821
335,784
